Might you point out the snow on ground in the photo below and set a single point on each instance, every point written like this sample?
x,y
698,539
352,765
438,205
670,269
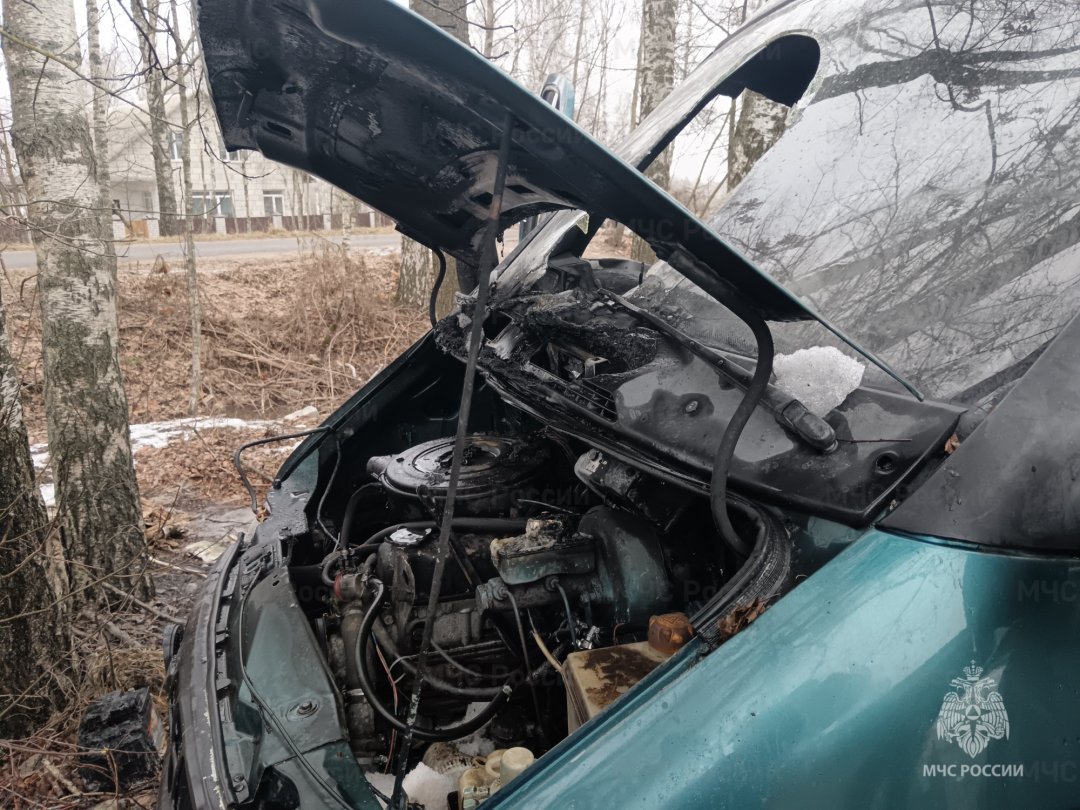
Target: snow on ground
x,y
160,434
214,528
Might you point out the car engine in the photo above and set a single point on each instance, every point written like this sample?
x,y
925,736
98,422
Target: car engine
x,y
556,552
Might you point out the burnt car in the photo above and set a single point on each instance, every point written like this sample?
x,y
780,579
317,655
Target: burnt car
x,y
578,546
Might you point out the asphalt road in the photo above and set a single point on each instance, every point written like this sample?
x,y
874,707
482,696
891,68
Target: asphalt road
x,y
171,251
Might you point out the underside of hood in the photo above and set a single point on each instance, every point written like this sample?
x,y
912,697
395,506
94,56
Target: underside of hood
x,y
374,99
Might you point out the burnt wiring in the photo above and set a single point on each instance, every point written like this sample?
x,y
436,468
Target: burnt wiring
x,y
525,656
253,496
394,690
569,613
551,659
326,491
449,659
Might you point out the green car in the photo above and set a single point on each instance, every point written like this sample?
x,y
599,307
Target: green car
x,y
788,518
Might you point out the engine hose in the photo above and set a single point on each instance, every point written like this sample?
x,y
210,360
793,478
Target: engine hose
x,y
324,569
446,734
722,465
439,685
348,520
434,299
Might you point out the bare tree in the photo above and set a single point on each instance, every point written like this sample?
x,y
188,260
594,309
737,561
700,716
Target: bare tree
x,y
487,12
100,128
416,274
758,125
656,78
657,70
146,15
32,636
184,75
98,511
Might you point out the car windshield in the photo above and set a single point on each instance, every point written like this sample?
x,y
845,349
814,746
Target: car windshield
x,y
922,196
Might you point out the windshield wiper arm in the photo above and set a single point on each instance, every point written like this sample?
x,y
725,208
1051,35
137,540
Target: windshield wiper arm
x,y
788,411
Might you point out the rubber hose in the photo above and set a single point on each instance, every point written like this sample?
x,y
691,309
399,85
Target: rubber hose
x,y
462,729
439,685
434,299
722,465
349,518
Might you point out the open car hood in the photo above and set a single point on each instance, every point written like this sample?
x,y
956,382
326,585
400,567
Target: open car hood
x,y
372,98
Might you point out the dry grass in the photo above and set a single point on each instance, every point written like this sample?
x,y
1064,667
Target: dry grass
x,y
278,334
199,470
310,335
111,652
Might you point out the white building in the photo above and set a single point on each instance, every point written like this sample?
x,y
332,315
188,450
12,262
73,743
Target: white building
x,y
231,191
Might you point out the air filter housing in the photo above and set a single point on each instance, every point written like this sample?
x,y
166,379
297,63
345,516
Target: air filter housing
x,y
497,474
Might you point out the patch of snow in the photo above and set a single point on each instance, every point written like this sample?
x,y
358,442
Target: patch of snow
x,y
422,785
308,412
428,787
477,744
159,434
48,494
820,377
215,529
210,550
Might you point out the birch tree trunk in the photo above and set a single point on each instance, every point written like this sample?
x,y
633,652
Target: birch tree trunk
x,y
757,126
33,636
101,137
487,10
191,270
416,274
145,13
98,510
657,70
656,78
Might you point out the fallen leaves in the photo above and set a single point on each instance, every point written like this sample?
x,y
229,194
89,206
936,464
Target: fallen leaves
x,y
739,619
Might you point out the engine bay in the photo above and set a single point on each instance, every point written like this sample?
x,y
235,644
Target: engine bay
x,y
570,576
581,543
